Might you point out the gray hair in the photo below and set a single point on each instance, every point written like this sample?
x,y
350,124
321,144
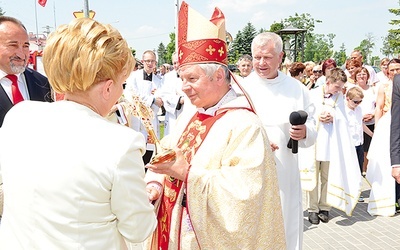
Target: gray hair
x,y
266,37
210,68
11,19
244,57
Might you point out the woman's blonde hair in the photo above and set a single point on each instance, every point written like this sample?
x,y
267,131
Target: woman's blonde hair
x,y
83,53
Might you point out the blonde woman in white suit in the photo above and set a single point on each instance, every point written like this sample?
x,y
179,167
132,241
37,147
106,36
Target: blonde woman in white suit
x,y
71,178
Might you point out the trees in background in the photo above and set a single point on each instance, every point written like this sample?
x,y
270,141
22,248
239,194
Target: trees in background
x,y
340,56
242,43
366,46
161,54
317,47
391,43
165,53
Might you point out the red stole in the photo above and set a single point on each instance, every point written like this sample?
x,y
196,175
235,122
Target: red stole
x,y
198,128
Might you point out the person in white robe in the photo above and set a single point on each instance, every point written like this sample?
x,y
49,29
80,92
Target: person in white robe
x,y
275,96
336,164
145,84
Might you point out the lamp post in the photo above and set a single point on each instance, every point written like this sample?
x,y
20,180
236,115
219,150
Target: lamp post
x,y
298,45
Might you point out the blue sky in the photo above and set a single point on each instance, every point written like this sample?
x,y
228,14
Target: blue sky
x,y
145,24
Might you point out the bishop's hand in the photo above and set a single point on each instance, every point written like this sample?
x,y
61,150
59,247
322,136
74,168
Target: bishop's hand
x,y
178,168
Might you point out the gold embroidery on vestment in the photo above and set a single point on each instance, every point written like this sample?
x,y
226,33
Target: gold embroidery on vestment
x,y
171,194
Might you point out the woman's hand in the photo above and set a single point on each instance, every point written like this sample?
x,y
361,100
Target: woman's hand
x,y
154,190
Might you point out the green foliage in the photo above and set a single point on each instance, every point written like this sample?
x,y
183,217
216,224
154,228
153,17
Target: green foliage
x,y
366,46
133,52
1,12
340,56
391,43
161,52
318,47
275,27
242,43
303,21
165,53
261,31
375,61
170,48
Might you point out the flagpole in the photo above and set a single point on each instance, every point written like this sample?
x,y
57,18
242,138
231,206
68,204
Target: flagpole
x,y
54,11
86,8
37,29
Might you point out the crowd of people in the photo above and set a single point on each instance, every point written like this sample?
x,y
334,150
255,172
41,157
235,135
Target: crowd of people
x,y
368,100
244,146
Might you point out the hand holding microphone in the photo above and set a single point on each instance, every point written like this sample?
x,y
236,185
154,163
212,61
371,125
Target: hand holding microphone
x,y
296,118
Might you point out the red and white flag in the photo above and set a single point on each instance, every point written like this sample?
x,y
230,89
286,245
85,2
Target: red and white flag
x,y
42,2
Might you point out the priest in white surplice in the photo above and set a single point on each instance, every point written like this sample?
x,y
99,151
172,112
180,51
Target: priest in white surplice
x,y
145,84
275,96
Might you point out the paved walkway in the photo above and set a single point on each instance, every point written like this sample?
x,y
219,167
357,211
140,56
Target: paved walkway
x,y
360,231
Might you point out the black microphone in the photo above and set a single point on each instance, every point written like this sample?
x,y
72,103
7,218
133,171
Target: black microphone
x,y
296,118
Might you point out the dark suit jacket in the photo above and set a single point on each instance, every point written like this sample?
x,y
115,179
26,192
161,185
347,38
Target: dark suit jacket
x,y
395,123
38,88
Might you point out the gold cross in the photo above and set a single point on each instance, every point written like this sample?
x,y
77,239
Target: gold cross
x,y
210,50
221,51
180,54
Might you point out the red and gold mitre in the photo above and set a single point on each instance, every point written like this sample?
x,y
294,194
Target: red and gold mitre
x,y
201,40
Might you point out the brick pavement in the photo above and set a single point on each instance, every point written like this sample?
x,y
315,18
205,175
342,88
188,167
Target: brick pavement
x,y
360,231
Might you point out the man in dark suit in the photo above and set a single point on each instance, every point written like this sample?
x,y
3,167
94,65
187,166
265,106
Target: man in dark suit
x,y
17,82
395,129
395,137
14,75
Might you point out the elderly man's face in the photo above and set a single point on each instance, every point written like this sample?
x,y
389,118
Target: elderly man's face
x,y
266,60
357,56
200,88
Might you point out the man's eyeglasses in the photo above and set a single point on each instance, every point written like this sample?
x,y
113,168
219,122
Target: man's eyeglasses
x,y
357,102
317,71
149,61
124,85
